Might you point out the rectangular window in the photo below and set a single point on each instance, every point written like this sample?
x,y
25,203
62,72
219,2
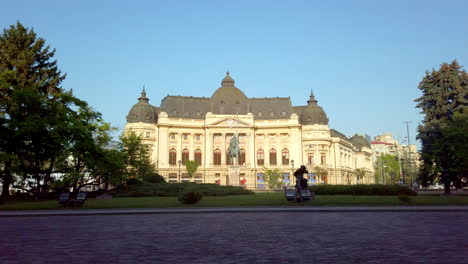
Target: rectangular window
x,y
260,137
272,136
310,158
322,159
197,137
260,158
172,136
148,134
185,136
172,175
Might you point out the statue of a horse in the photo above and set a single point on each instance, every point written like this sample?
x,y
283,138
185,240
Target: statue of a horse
x,y
233,150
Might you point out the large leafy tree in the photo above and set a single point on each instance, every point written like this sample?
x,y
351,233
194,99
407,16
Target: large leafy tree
x,y
45,130
444,103
388,169
29,88
136,156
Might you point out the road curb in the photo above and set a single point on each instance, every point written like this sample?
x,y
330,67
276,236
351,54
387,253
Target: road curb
x,y
324,209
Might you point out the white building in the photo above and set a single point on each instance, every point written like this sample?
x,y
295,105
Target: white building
x,y
272,133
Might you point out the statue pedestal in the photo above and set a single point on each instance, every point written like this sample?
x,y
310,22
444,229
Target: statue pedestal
x,y
234,175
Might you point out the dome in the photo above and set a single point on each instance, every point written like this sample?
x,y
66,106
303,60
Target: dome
x,y
142,111
359,141
229,99
313,113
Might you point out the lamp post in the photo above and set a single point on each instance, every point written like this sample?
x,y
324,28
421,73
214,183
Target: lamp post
x,y
180,164
292,170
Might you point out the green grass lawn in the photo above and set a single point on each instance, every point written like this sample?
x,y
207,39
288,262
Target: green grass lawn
x,y
258,199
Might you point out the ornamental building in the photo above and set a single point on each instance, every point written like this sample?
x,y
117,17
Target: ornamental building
x,y
272,134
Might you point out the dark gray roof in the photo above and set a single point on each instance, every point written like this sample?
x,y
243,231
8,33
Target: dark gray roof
x,y
359,141
143,111
186,107
335,133
271,108
228,99
312,113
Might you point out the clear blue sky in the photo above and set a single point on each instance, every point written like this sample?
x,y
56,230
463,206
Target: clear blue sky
x,y
363,59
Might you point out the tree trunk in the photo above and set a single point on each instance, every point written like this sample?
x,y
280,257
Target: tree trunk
x,y
7,180
446,180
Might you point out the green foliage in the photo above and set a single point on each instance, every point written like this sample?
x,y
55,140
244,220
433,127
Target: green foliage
x,y
173,189
361,189
360,173
191,167
44,128
154,178
133,181
136,156
272,177
444,103
190,195
388,169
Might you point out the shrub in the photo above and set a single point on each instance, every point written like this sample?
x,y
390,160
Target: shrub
x,y
133,181
190,195
154,178
361,189
173,189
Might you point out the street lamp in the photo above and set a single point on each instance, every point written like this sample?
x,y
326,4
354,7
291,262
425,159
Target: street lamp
x,y
292,170
180,164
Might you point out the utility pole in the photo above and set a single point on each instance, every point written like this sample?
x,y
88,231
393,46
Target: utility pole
x,y
409,154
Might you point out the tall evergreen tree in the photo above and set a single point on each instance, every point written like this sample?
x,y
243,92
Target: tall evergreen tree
x,y
44,129
27,72
444,95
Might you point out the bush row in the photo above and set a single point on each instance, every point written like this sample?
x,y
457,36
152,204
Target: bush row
x,y
173,189
361,189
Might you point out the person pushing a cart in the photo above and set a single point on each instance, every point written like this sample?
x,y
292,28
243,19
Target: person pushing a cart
x,y
299,174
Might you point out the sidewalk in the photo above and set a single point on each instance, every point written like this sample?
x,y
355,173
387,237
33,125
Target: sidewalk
x,y
307,209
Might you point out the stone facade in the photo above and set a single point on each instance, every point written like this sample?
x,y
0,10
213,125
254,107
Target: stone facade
x,y
272,134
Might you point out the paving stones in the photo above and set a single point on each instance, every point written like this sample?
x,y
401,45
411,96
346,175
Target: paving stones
x,y
268,237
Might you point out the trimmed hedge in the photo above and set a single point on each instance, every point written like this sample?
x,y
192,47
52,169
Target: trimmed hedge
x,y
173,189
362,189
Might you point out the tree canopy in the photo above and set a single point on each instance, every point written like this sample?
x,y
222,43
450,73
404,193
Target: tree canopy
x,y
444,104
46,133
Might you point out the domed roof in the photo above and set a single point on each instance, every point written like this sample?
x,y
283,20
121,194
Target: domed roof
x,y
313,113
142,111
229,98
359,141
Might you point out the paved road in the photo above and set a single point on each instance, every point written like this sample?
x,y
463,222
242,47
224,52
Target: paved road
x,y
247,237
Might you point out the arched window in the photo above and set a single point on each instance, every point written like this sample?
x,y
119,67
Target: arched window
x,y
185,156
260,157
242,157
272,157
217,157
285,156
172,157
198,156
